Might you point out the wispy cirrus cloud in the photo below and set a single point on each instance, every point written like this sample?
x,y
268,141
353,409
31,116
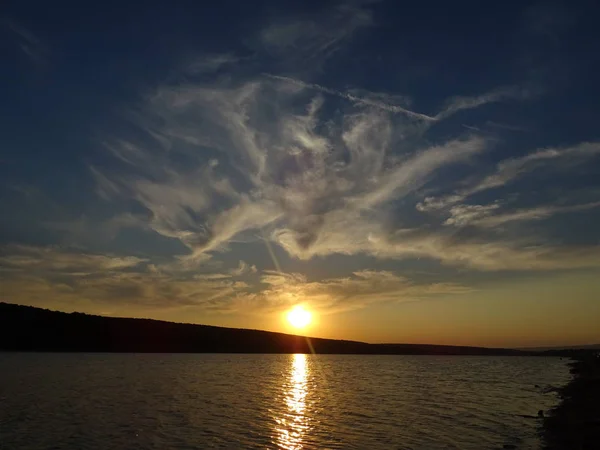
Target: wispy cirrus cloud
x,y
124,289
324,142
54,259
513,168
211,63
315,38
360,289
273,164
390,103
487,216
69,276
261,155
508,170
29,274
85,229
460,103
461,215
29,44
377,101
321,171
482,253
242,269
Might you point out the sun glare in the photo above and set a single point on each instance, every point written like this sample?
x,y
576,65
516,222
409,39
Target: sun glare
x,y
299,317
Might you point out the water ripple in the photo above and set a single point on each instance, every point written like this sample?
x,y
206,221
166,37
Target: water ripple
x,y
112,401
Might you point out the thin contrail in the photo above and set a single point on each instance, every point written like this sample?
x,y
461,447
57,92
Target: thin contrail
x,y
354,98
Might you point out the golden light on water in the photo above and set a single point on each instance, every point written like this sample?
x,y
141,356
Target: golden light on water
x,y
299,317
293,425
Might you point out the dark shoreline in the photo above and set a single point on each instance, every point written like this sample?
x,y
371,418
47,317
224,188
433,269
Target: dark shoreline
x,y
574,423
25,328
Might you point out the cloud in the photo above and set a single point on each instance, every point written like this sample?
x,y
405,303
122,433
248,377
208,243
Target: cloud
x,y
467,214
273,164
460,103
243,269
508,170
414,171
68,276
314,39
33,48
105,188
53,259
483,215
433,203
126,151
477,252
513,168
85,229
485,253
125,290
388,102
211,63
317,170
262,156
379,101
31,274
101,281
548,20
357,291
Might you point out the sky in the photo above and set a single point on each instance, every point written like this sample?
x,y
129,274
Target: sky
x,y
424,172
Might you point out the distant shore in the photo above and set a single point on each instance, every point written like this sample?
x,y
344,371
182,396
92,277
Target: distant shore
x,y
26,328
574,423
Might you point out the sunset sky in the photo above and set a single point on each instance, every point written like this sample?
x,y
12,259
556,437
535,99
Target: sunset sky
x,y
423,172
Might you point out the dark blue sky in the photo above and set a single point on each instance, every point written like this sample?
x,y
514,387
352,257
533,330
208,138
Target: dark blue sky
x,y
218,163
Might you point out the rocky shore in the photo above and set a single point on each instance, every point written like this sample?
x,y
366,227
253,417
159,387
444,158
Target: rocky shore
x,y
575,422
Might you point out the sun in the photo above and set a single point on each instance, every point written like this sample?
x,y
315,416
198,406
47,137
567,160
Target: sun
x,y
299,317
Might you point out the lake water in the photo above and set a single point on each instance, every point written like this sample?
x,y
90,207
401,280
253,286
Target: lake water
x,y
197,401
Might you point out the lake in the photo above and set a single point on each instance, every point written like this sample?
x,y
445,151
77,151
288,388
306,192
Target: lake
x,y
192,401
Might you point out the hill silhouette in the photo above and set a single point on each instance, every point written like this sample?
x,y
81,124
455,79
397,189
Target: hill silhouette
x,y
26,328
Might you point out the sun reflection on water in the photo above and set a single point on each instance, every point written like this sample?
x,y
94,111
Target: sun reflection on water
x,y
293,423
